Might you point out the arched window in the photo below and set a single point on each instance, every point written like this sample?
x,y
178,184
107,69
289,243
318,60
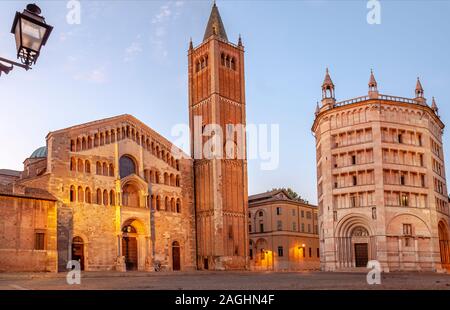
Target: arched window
x,y
166,204
88,195
72,194
105,197
157,177
151,177
177,181
107,138
172,205
73,164
105,169
166,178
178,205
172,180
158,203
80,194
72,145
87,166
177,163
80,165
99,196
96,140
98,168
113,136
112,198
90,143
102,139
127,166
111,170
157,151
78,144
83,144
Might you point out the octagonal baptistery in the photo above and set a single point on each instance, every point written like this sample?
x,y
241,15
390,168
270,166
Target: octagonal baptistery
x,y
381,183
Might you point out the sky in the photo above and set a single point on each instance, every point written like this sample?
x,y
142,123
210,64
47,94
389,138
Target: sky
x,y
131,57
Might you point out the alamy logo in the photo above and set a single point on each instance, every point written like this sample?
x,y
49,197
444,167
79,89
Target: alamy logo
x,y
374,275
74,275
73,17
374,14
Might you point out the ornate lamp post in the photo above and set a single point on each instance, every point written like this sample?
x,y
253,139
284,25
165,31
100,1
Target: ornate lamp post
x,y
31,33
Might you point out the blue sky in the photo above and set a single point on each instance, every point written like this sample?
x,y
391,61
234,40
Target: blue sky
x,y
131,57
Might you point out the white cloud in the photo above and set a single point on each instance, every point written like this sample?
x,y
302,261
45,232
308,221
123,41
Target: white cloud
x,y
96,76
160,21
133,50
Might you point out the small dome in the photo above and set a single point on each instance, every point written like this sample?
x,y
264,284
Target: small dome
x,y
40,152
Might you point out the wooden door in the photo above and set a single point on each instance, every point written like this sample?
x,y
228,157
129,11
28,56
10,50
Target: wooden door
x,y
361,254
129,247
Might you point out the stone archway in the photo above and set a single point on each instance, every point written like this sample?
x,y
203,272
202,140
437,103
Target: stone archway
x,y
355,242
133,244
444,245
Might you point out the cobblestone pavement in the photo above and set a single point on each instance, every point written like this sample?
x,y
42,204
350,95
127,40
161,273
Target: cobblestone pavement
x,y
223,281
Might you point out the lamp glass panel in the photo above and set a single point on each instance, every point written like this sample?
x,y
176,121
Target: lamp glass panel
x,y
32,35
17,36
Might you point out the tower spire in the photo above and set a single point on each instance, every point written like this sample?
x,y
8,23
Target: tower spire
x,y
373,86
215,25
419,89
434,106
328,98
420,93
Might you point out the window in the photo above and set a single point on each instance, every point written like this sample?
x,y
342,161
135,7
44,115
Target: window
x,y
293,212
400,138
374,213
303,227
278,211
261,227
318,252
422,180
39,241
402,180
279,225
280,251
407,229
303,213
294,226
250,253
309,228
404,200
419,139
353,159
230,232
308,215
127,166
249,228
72,194
260,213
310,252
355,180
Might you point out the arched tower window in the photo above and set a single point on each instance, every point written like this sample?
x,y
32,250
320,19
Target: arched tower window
x,y
127,166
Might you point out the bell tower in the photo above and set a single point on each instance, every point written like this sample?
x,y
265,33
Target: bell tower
x,y
217,113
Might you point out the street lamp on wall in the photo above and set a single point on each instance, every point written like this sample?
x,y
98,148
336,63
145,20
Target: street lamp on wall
x,y
31,33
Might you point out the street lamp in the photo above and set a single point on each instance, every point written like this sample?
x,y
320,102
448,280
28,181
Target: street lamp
x,y
31,33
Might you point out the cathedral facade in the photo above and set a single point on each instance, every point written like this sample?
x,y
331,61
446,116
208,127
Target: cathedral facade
x,y
382,192
113,194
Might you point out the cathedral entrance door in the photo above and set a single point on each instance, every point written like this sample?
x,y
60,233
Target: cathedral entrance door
x,y
78,251
129,247
361,254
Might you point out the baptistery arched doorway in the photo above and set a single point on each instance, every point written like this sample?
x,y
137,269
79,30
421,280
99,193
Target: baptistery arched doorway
x,y
355,242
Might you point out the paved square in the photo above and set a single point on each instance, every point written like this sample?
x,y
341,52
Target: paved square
x,y
223,281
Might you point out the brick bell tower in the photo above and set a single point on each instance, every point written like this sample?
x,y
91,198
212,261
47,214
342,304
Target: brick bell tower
x,y
217,97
